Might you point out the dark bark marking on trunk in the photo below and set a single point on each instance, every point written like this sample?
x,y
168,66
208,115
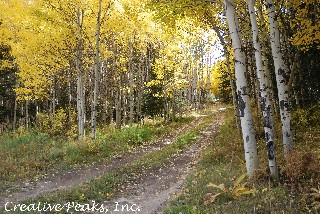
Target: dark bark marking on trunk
x,y
267,119
268,6
263,103
247,138
267,136
287,134
270,148
241,104
285,76
284,105
244,90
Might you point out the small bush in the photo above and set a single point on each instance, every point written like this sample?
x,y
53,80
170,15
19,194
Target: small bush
x,y
302,168
133,134
52,124
309,117
92,147
300,118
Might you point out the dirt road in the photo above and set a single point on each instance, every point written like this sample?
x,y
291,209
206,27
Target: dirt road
x,y
149,192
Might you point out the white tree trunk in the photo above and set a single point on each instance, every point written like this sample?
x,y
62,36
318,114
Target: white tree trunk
x,y
131,93
124,94
96,76
139,92
80,81
14,125
117,85
250,145
265,43
27,114
208,85
117,105
194,88
53,100
265,101
281,77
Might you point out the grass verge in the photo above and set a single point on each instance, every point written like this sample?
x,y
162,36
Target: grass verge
x,y
223,165
29,155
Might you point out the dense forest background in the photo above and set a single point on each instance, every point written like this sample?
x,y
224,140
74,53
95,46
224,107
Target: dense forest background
x,y
117,61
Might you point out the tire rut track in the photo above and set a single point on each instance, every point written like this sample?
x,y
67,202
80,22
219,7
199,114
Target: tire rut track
x,y
154,187
75,177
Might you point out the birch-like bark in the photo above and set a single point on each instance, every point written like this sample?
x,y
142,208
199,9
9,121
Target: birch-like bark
x,y
118,105
96,75
139,92
190,90
250,145
27,114
22,118
131,93
174,108
111,97
181,101
208,83
201,77
266,105
117,86
194,88
54,96
281,77
80,81
271,93
104,90
70,97
15,114
124,93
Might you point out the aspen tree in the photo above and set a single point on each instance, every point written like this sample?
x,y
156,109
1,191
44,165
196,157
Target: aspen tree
x,y
281,77
80,80
250,145
96,74
131,82
265,99
266,43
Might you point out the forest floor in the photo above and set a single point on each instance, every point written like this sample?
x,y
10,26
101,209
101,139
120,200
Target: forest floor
x,y
147,177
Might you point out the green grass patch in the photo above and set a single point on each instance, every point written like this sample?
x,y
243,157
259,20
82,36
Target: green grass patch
x,y
30,155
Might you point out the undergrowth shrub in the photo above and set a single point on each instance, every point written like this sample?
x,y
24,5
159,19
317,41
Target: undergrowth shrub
x,y
300,118
52,124
92,146
309,117
302,168
133,134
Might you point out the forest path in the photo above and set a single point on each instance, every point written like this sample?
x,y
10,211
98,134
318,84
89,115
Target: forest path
x,y
75,177
154,188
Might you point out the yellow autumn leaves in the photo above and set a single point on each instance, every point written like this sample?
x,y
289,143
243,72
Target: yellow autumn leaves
x,y
306,23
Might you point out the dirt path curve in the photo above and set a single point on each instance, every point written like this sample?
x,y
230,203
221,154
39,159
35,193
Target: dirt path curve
x,y
153,189
78,176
